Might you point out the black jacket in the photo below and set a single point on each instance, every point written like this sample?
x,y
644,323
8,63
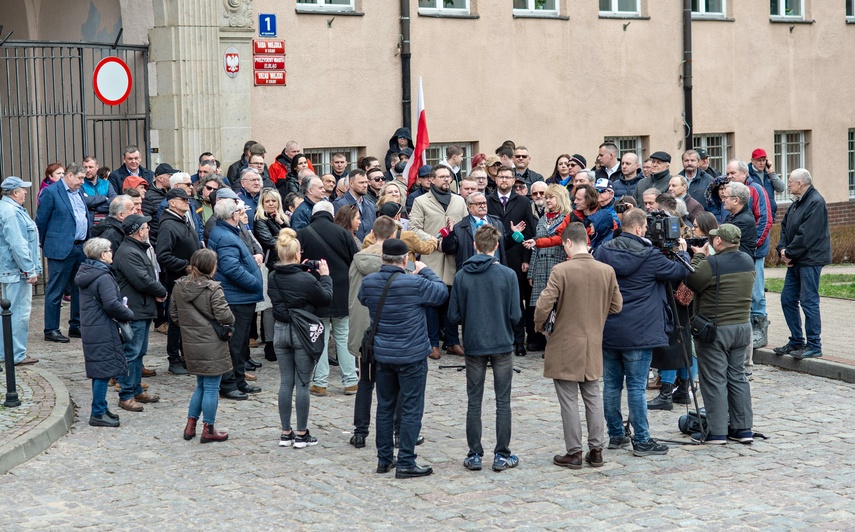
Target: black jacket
x,y
744,220
337,246
100,305
153,198
111,229
517,210
461,241
266,232
804,231
177,243
291,286
137,279
529,176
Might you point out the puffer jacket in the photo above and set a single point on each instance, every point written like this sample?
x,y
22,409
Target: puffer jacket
x,y
402,331
100,304
193,303
236,268
137,279
291,286
642,271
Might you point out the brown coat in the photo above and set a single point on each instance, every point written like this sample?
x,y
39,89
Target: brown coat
x,y
416,245
204,352
587,292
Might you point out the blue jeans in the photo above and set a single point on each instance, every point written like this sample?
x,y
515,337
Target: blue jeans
x,y
633,365
20,294
205,398
758,295
61,274
476,372
133,354
99,396
801,287
404,383
670,375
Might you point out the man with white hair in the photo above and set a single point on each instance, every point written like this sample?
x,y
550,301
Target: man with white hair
x,y
313,192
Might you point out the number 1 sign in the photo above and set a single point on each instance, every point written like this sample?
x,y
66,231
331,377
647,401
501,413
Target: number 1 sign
x,y
267,25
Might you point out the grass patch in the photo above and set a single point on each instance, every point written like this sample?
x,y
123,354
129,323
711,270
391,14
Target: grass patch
x,y
832,285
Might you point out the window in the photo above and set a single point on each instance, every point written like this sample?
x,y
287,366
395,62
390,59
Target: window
x,y
436,153
322,158
850,9
790,153
325,5
717,146
620,7
852,163
787,9
548,8
628,145
708,8
444,7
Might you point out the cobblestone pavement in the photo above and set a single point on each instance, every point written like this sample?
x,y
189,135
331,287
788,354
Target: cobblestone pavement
x,y
145,476
30,386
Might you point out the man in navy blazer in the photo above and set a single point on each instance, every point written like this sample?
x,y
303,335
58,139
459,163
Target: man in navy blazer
x,y
356,196
131,165
63,223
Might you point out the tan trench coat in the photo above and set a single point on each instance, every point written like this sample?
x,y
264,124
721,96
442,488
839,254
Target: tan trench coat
x,y
587,292
429,216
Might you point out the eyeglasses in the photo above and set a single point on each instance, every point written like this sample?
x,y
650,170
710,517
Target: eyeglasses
x,y
539,194
376,179
210,188
479,203
573,165
520,156
519,186
481,178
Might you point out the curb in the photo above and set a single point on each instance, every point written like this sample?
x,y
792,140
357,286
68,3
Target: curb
x,y
817,367
43,435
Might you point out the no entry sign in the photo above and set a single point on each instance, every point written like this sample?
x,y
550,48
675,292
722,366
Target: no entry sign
x,y
112,81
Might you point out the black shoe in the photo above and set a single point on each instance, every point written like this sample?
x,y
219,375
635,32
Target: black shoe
x,y
252,363
333,362
535,347
236,395
103,421
177,368
519,350
358,441
112,415
412,472
56,336
385,468
251,389
663,401
74,332
788,349
269,353
420,440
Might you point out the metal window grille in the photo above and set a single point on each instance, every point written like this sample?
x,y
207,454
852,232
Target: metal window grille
x,y
627,145
322,158
717,146
790,153
436,152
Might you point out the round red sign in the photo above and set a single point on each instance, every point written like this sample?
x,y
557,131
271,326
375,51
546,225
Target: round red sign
x,y
112,81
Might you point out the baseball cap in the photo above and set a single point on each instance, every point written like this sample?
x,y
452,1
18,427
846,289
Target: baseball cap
x,y
728,233
702,153
661,156
134,181
603,184
758,153
165,168
12,182
493,159
226,193
177,193
132,223
424,170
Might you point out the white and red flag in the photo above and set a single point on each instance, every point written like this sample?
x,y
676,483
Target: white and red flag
x,y
422,141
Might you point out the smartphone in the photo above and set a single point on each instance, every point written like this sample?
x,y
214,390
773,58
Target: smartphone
x,y
411,266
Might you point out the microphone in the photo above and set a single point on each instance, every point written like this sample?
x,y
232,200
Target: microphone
x,y
442,233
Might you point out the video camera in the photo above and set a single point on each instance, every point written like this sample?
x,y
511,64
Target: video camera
x,y
663,230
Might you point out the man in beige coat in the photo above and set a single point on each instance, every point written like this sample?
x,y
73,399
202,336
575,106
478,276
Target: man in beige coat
x,y
586,292
433,211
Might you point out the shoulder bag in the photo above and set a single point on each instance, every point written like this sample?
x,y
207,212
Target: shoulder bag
x,y
310,331
704,329
223,332
366,349
549,324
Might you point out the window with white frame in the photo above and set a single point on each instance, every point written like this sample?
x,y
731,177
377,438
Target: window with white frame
x,y
322,158
790,153
717,146
634,145
546,8
325,5
850,9
620,7
852,163
708,8
436,152
444,7
790,9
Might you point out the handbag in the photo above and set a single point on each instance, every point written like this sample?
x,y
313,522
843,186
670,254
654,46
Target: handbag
x,y
125,332
704,329
693,422
549,324
310,332
366,349
223,332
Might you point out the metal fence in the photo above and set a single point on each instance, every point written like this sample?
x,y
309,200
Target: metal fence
x,y
49,111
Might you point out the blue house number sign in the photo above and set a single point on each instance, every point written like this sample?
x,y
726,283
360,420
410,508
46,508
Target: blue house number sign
x,y
267,25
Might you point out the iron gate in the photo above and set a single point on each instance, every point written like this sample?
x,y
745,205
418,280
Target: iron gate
x,y
49,111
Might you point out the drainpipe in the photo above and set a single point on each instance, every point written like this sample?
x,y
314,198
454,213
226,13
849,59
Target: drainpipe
x,y
687,73
406,101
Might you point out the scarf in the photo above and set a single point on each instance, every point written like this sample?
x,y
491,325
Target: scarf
x,y
444,198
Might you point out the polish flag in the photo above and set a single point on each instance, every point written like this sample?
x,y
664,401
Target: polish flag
x,y
422,142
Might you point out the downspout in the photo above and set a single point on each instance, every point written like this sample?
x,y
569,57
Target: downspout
x,y
406,101
687,73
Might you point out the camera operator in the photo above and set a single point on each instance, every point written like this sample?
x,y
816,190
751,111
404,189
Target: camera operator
x,y
727,394
630,336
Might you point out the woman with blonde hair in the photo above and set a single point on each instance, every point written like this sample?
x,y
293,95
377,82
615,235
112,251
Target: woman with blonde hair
x,y
197,300
270,219
291,286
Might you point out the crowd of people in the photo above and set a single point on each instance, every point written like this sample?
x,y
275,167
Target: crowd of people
x,y
487,264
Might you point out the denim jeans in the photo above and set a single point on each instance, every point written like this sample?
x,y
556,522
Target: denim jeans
x,y
205,398
20,294
133,354
99,396
295,371
404,383
633,365
801,287
476,371
758,295
670,375
362,404
346,361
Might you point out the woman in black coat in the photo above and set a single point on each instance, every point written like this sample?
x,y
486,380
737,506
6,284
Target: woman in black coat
x,y
291,183
269,220
101,306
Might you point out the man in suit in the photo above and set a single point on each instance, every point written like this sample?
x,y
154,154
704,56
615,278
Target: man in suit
x,y
461,241
63,225
131,166
512,208
357,195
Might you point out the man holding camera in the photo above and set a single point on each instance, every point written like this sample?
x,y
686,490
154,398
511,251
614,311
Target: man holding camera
x,y
630,336
723,284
